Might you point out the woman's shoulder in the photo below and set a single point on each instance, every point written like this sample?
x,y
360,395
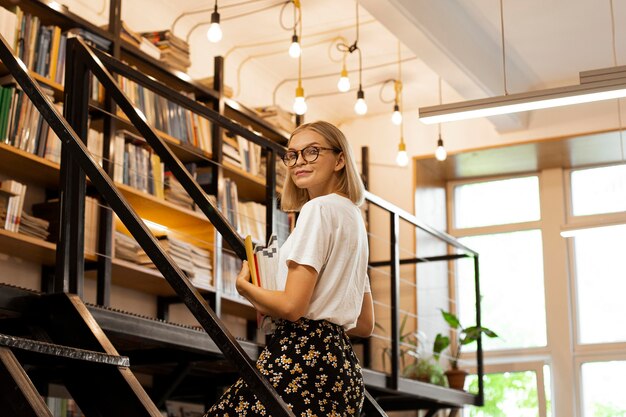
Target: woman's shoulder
x,y
329,205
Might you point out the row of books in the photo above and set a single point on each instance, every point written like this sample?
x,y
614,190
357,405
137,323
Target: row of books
x,y
42,48
136,165
169,117
248,156
12,194
50,212
22,126
193,260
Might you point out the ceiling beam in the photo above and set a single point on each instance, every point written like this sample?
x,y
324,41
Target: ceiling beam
x,y
449,41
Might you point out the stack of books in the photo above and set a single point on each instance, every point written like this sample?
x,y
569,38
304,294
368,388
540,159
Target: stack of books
x,y
12,194
175,193
277,117
174,50
194,261
34,226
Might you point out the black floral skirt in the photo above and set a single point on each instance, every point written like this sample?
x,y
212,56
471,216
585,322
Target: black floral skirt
x,y
313,368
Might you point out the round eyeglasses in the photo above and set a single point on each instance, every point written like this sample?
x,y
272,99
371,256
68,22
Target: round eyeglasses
x,y
309,154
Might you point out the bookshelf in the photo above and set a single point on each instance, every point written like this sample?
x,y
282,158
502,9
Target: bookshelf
x,y
31,168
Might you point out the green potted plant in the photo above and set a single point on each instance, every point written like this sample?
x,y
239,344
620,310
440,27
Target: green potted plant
x,y
426,370
466,335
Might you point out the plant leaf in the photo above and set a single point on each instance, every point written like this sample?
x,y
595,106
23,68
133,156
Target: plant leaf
x,y
441,342
489,333
451,319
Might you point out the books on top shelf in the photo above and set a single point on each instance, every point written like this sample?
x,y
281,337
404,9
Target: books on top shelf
x,y
174,51
277,117
193,260
12,194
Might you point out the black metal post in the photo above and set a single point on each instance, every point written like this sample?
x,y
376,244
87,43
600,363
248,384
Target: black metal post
x,y
270,193
217,183
105,225
479,349
394,237
70,250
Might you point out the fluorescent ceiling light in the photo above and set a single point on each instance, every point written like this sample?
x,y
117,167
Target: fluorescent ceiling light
x,y
596,85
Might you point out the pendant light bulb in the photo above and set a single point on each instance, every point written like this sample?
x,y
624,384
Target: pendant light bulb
x,y
344,82
360,107
215,31
294,49
441,154
396,116
299,103
402,159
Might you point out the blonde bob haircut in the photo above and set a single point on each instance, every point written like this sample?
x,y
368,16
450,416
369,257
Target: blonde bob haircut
x,y
350,183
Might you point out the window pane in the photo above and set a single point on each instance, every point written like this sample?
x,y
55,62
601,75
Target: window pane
x,y
511,285
599,190
506,394
496,202
603,389
601,284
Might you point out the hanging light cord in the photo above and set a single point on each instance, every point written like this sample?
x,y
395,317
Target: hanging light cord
x,y
296,16
223,19
299,23
355,46
619,106
439,124
209,9
399,93
506,92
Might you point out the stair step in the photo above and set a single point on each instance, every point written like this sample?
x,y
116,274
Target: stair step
x,y
61,351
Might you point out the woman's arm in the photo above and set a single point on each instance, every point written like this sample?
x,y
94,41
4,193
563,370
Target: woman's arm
x,y
290,304
365,322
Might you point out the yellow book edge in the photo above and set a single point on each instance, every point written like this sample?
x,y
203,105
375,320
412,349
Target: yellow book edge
x,y
251,263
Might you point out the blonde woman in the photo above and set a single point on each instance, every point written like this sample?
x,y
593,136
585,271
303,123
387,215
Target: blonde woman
x,y
326,295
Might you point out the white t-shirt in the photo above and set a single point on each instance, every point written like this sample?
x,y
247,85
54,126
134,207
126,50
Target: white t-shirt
x,y
330,236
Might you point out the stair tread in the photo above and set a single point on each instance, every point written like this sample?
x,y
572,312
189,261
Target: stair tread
x,y
46,348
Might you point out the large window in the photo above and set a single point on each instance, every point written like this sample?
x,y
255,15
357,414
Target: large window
x,y
514,226
499,220
603,389
496,202
598,190
600,270
511,280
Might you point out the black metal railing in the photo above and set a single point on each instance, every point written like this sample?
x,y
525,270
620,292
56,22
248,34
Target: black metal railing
x,y
77,162
397,214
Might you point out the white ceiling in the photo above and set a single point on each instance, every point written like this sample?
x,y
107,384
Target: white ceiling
x,y
547,43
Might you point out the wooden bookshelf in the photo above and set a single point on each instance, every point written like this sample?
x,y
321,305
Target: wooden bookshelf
x,y
27,248
30,248
25,166
182,220
130,275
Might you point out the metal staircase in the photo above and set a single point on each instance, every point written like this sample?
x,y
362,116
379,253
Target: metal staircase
x,y
108,387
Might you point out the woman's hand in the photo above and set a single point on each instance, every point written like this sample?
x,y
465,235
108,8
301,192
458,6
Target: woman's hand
x,y
243,278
